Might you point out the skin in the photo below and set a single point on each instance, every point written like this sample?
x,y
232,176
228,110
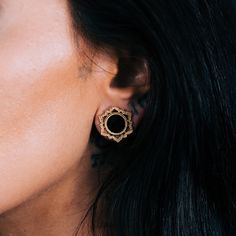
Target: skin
x,y
50,95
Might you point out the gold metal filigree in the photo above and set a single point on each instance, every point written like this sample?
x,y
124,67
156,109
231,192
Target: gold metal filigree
x,y
105,131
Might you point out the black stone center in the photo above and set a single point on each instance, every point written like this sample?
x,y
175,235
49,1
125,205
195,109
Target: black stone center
x,y
116,124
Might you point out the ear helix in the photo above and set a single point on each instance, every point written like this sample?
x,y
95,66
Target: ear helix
x,y
116,124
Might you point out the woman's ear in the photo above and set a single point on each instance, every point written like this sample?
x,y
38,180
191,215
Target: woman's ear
x,y
133,76
124,83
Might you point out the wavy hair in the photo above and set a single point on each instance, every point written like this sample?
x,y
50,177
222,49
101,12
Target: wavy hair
x,y
176,175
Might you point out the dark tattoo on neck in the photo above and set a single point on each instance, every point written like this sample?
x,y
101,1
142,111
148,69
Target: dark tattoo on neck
x,y
137,101
97,159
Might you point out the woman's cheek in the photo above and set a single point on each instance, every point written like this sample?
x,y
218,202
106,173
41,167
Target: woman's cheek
x,y
44,131
41,119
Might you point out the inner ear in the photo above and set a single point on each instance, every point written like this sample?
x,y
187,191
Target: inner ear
x,y
132,72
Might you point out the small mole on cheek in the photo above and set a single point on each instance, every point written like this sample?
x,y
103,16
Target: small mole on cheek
x,y
84,71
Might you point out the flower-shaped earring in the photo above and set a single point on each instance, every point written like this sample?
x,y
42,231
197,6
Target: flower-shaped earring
x,y
116,124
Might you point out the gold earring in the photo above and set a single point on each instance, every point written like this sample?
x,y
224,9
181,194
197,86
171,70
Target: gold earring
x,y
116,124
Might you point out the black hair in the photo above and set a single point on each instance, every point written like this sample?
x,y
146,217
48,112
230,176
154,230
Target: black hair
x,y
176,175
